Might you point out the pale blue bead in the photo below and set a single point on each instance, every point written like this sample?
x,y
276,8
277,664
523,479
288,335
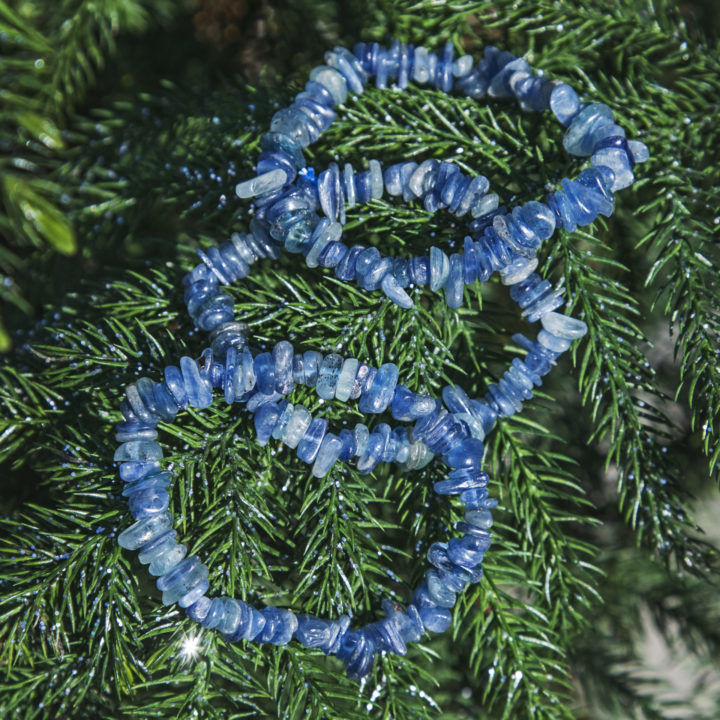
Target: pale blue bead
x,y
230,617
327,455
349,183
421,66
265,183
418,181
178,573
554,343
214,615
134,431
153,548
199,390
311,361
165,560
199,609
331,79
475,190
193,595
485,205
310,444
282,421
438,591
346,379
479,518
130,471
328,374
381,392
361,436
462,66
394,292
564,103
455,283
143,531
376,179
138,450
259,399
563,325
617,160
639,151
149,502
517,270
326,231
297,426
189,581
578,137
439,268
283,356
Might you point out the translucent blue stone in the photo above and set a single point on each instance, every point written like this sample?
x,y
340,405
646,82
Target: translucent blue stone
x,y
434,618
325,232
322,634
332,80
376,179
199,609
311,360
130,471
564,326
345,269
372,453
149,551
188,581
564,103
455,282
138,451
267,182
467,453
298,369
214,613
329,191
199,390
294,123
578,138
147,503
639,151
273,141
250,625
321,115
378,270
265,420
421,66
283,356
460,480
167,558
394,292
178,573
346,379
157,480
328,375
125,431
349,186
552,342
439,268
297,426
382,390
265,373
347,450
286,412
143,531
310,444
357,652
279,626
361,435
466,552
143,413
176,386
327,455
619,161
438,591
320,93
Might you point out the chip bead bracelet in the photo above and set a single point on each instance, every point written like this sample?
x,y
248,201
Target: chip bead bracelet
x,y
288,196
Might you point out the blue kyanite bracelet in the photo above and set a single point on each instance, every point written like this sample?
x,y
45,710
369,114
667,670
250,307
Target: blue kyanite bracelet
x,y
288,197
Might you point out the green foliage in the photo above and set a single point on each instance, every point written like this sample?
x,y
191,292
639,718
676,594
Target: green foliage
x,y
598,526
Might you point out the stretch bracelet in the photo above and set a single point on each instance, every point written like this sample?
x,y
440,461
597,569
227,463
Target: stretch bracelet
x,y
288,196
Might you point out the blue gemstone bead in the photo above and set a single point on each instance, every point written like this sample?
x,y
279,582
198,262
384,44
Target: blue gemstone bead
x,y
310,444
372,453
328,375
455,282
311,360
279,626
439,268
319,633
578,138
157,480
138,451
328,453
143,531
345,269
283,355
265,420
265,373
564,103
199,609
199,390
382,390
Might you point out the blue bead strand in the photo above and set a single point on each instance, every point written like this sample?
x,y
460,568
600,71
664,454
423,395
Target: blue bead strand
x,y
301,213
